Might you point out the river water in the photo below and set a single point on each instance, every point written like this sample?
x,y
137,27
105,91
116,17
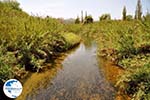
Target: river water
x,y
77,77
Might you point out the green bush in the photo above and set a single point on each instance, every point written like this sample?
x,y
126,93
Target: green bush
x,y
126,43
129,17
136,83
28,41
105,17
88,19
147,17
6,63
77,20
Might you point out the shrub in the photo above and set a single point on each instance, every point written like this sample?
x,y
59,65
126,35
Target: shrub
x,y
126,43
129,17
6,64
77,20
147,17
136,83
27,42
88,19
105,17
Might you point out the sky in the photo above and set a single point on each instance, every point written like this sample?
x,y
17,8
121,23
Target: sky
x,y
72,8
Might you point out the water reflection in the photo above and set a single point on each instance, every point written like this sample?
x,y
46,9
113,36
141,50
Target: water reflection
x,y
79,79
88,42
41,80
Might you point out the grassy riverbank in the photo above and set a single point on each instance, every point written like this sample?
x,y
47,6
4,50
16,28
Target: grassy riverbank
x,y
27,42
126,43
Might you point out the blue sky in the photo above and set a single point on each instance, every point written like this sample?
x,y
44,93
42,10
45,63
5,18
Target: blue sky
x,y
72,8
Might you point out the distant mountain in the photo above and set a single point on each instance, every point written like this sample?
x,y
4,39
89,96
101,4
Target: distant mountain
x,y
66,21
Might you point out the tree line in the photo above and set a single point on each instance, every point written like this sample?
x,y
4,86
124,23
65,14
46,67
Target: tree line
x,y
85,20
107,16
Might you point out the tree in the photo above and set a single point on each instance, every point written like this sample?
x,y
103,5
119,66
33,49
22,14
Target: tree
x,y
129,17
124,12
105,17
77,20
138,12
147,16
88,19
81,16
13,4
85,14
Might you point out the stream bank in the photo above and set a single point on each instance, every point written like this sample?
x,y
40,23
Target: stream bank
x,y
77,77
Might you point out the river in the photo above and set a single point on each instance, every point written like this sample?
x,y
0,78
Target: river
x,y
76,76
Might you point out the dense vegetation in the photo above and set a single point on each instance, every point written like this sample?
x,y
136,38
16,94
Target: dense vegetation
x,y
126,43
29,42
